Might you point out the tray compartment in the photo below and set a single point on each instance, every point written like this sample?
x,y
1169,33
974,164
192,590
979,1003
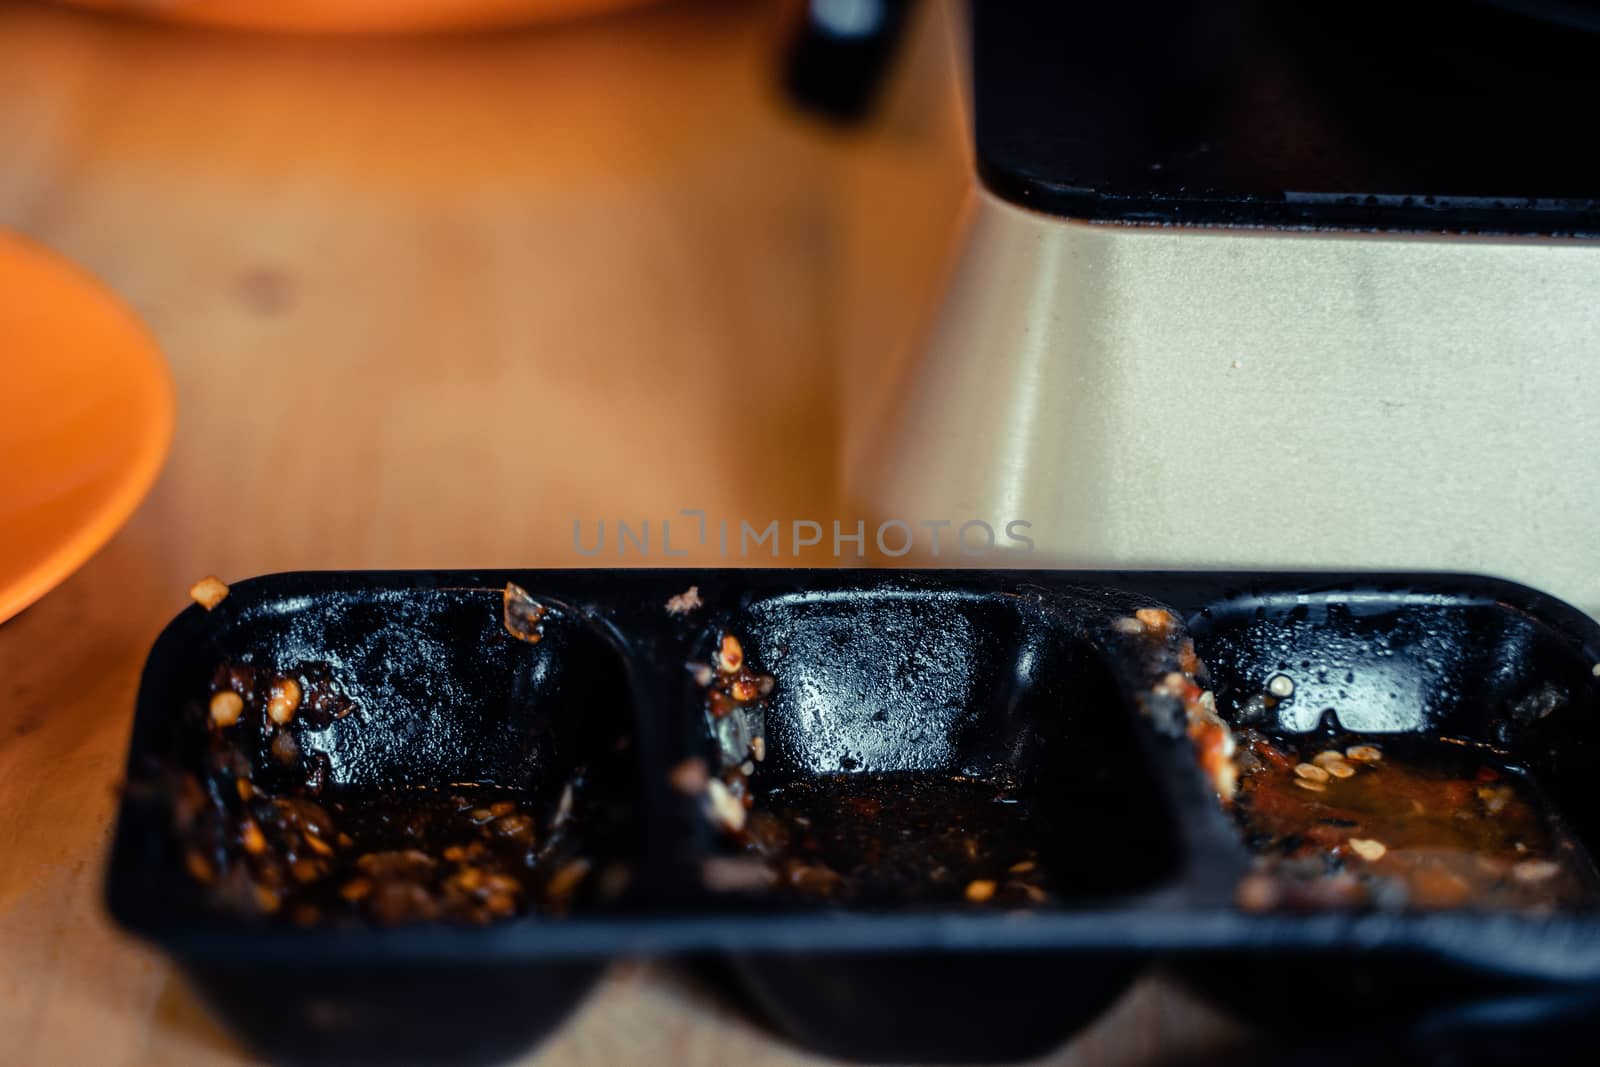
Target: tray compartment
x,y
436,698
1496,684
948,1007
1488,668
398,1012
935,738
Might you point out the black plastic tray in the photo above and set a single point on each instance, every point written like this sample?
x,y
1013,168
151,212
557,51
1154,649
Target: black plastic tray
x,y
877,670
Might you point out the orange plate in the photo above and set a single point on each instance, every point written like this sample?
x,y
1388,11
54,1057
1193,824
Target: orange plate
x,y
359,16
86,412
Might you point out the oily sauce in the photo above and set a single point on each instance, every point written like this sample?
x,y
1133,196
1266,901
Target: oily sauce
x,y
267,831
1406,823
903,838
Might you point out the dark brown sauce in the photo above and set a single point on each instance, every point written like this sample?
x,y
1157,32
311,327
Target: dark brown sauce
x,y
466,854
1426,824
269,835
903,838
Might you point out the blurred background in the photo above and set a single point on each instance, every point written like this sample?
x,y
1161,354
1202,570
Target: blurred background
x,y
481,284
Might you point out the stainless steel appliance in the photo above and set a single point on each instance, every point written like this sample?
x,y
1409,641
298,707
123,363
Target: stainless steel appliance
x,y
1264,284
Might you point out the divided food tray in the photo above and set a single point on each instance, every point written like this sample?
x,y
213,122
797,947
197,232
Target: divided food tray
x,y
1039,686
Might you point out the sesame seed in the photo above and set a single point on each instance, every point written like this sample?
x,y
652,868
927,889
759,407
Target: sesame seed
x,y
1368,849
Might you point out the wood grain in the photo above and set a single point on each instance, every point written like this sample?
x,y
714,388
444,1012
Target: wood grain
x,y
428,302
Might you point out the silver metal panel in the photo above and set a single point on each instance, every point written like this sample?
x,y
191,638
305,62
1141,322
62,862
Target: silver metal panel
x,y
1230,398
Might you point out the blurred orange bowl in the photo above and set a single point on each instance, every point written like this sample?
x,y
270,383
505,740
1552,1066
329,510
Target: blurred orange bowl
x,y
86,414
357,16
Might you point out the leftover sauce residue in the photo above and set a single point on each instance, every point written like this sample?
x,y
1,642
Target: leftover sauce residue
x,y
1410,822
901,838
263,827
872,839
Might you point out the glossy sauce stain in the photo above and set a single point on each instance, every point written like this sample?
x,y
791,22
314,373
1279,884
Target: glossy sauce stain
x,y
265,825
1408,822
904,838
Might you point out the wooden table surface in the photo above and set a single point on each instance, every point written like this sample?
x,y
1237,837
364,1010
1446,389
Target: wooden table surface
x,y
426,303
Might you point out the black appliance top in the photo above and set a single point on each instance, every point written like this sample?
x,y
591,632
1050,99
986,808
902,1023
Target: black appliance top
x,y
1459,115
